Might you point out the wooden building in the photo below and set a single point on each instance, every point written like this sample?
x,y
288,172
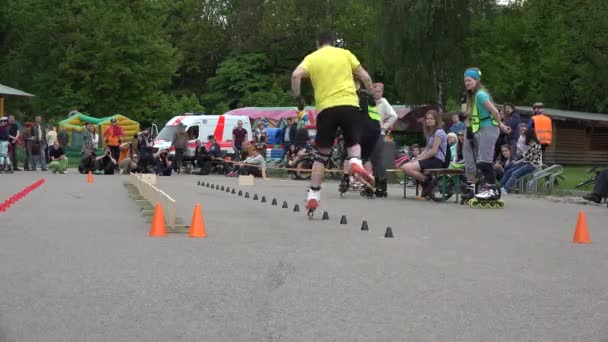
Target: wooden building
x,y
579,138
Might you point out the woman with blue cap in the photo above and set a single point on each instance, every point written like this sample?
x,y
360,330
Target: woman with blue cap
x,y
482,134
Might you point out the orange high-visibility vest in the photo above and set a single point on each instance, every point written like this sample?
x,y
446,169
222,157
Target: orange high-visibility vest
x,y
543,128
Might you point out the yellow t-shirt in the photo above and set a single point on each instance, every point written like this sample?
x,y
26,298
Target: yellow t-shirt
x,y
331,73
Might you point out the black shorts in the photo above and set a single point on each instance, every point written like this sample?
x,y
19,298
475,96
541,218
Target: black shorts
x,y
431,163
348,118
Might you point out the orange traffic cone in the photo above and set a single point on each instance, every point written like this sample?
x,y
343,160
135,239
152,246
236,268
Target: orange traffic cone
x,y
90,177
581,234
197,228
158,222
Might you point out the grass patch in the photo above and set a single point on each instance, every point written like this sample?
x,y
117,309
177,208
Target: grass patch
x,y
574,175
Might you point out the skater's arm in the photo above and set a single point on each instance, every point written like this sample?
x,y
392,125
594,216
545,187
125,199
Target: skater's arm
x,y
365,78
296,80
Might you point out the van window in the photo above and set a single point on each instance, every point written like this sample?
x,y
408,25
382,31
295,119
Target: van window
x,y
192,132
167,133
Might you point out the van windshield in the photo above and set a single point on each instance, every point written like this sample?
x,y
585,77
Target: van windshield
x,y
167,133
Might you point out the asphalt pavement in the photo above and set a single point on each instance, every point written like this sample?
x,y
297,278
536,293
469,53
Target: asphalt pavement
x,y
77,264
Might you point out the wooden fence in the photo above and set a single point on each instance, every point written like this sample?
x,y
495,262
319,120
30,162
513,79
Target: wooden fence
x,y
143,184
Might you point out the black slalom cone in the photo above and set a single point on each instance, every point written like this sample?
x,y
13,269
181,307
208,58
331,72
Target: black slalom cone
x,y
325,215
233,191
389,233
274,201
296,209
246,195
255,197
222,189
364,226
343,219
263,199
285,206
240,193
199,183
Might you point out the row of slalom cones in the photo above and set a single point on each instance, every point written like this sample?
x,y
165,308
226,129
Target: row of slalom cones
x,y
4,206
296,208
581,232
197,226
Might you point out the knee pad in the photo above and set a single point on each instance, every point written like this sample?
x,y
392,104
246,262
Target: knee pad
x,y
321,157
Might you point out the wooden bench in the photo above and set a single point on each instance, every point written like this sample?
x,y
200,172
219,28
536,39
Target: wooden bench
x,y
436,173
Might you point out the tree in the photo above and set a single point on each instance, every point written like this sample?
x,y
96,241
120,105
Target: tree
x,y
105,56
423,43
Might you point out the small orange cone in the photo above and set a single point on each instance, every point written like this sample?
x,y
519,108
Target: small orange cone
x,y
581,234
158,222
197,228
90,177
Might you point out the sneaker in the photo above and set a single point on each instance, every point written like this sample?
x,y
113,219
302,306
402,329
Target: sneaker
x,y
356,166
64,172
488,193
313,198
593,197
503,191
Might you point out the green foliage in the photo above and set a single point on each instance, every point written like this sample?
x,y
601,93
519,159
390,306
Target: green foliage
x,y
154,59
169,106
105,56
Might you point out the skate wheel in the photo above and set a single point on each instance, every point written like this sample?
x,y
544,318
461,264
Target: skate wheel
x,y
342,194
491,205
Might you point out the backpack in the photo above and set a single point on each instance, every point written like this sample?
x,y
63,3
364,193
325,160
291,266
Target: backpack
x,y
448,156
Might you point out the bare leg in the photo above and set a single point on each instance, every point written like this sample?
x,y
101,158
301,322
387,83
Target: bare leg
x,y
413,170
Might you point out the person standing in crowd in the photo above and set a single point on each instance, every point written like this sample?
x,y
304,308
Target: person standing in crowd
x,y
90,140
457,125
239,135
180,143
5,162
39,135
260,134
483,132
58,160
27,142
113,136
331,70
287,135
387,117
542,125
512,120
145,150
14,135
51,137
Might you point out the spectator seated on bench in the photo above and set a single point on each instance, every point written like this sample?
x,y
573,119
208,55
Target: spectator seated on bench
x,y
433,156
529,163
251,166
503,161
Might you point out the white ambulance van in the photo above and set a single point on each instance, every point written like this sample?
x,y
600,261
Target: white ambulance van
x,y
198,128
